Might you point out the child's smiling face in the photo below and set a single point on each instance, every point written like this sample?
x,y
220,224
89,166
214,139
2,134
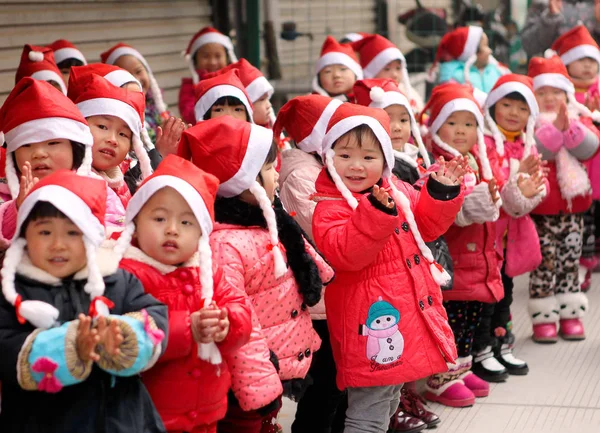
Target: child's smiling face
x,y
136,68
584,71
550,98
459,131
399,125
211,57
511,115
392,70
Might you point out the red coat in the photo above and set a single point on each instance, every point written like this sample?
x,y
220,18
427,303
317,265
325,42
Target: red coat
x,y
187,101
187,391
381,275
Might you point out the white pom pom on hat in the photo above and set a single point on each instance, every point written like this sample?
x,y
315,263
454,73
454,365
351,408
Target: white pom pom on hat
x,y
36,56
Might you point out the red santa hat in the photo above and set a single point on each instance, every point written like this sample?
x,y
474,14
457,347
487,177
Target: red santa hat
x,y
346,118
334,53
305,118
446,99
83,200
35,111
95,96
506,85
207,35
211,90
199,190
38,62
113,74
64,50
553,73
375,52
576,44
235,151
383,92
252,78
121,49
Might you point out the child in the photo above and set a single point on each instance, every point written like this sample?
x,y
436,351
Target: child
x,y
380,58
44,133
113,74
336,71
66,56
464,56
510,112
278,269
208,51
377,248
581,55
78,329
171,217
305,119
38,62
223,95
456,126
257,87
115,116
563,139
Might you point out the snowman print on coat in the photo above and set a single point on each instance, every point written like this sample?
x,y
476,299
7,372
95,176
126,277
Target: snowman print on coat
x,y
385,343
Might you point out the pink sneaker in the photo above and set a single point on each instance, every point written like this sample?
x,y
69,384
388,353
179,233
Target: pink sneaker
x,y
587,281
572,329
545,333
478,386
456,395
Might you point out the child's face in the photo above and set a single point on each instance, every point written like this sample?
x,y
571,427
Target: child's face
x,y
132,87
392,70
262,110
550,98
585,69
359,166
166,228
136,68
460,131
511,115
55,245
337,79
269,179
237,111
211,57
399,125
45,157
483,51
112,141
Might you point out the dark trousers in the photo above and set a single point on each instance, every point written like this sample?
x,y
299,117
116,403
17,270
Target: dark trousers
x,y
463,317
317,408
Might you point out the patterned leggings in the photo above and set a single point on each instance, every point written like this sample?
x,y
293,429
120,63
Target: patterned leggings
x,y
464,317
561,244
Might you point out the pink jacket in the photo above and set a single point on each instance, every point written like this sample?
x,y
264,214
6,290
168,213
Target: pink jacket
x,y
280,323
187,100
297,177
592,165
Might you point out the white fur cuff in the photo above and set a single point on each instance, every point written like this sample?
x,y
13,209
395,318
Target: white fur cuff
x,y
543,310
572,305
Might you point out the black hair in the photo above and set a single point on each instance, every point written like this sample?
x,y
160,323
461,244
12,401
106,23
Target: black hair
x,y
78,155
227,100
513,96
271,157
68,63
42,209
359,132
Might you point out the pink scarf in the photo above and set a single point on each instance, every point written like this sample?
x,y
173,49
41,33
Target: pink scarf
x,y
373,339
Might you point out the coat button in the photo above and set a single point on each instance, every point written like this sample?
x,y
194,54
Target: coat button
x,y
196,373
307,353
405,226
397,230
294,314
184,275
192,415
304,307
408,263
188,289
430,300
300,356
417,259
389,340
422,305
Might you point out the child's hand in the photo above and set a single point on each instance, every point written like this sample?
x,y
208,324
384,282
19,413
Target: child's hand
x,y
493,187
531,186
593,102
27,182
531,165
205,324
562,118
168,135
450,173
111,336
221,334
87,340
555,7
382,197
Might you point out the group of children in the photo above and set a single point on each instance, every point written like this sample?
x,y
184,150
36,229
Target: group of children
x,y
182,275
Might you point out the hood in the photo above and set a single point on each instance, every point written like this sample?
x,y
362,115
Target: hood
x,y
293,159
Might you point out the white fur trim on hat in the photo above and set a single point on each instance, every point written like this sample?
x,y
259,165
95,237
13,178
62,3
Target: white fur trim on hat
x,y
48,128
69,53
337,58
213,38
259,144
314,141
458,104
579,52
120,77
258,88
142,156
381,59
213,94
112,107
472,43
553,80
513,86
496,134
47,75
